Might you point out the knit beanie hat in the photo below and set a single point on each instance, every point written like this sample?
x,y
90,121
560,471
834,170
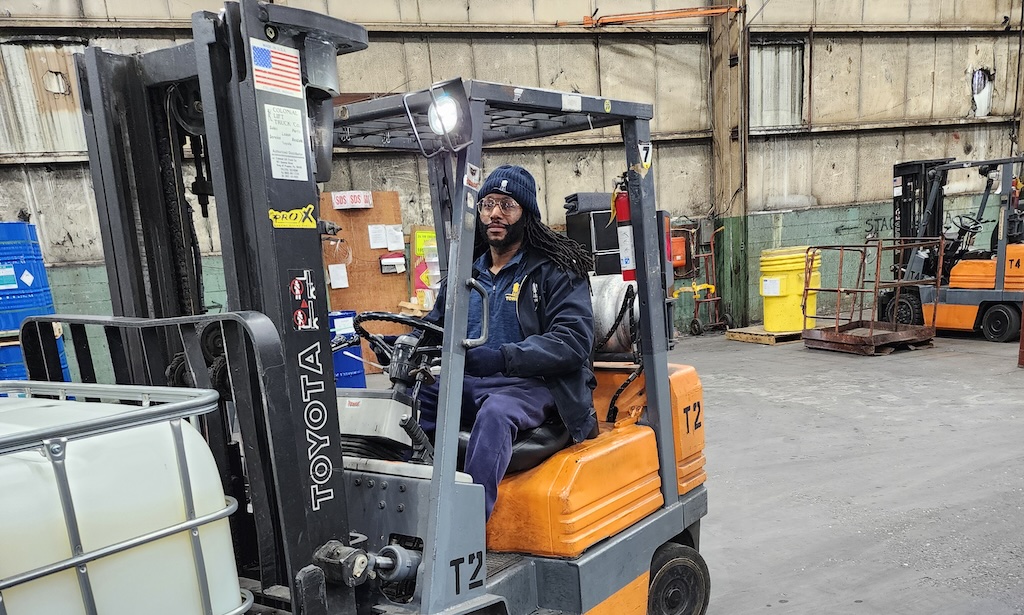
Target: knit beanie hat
x,y
515,182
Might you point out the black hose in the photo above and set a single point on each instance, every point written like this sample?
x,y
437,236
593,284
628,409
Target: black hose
x,y
627,304
613,410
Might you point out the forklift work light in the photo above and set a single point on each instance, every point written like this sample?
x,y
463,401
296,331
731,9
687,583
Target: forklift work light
x,y
443,115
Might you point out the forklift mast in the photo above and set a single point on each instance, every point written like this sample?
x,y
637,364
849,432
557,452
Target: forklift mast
x,y
913,189
251,95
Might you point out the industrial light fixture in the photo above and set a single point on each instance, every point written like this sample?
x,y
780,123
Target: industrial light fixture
x,y
444,103
443,115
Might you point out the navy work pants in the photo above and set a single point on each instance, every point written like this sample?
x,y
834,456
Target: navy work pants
x,y
497,408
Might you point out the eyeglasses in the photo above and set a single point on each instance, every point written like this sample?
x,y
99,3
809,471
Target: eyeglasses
x,y
486,206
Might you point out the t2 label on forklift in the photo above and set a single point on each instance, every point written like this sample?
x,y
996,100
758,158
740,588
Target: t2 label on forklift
x,y
302,293
471,565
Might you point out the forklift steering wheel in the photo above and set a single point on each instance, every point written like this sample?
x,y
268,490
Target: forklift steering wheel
x,y
377,341
967,224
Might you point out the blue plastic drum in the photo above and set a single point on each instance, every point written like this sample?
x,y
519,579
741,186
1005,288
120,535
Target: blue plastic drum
x,y
349,372
24,292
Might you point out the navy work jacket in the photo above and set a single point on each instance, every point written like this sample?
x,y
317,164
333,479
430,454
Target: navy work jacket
x,y
557,320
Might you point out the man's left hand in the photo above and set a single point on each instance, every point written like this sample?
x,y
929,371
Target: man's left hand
x,y
484,361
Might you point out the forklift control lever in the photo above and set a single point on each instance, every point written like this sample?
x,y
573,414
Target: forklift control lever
x,y
328,228
422,449
473,284
342,564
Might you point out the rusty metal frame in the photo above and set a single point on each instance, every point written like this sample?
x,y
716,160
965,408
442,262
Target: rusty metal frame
x,y
859,329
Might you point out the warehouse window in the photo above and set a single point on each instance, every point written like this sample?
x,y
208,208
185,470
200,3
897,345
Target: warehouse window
x,y
776,83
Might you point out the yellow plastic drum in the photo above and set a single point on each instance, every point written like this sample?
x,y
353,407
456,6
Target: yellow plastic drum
x,y
782,287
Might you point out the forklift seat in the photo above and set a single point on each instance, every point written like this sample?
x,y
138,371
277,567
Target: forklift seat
x,y
531,447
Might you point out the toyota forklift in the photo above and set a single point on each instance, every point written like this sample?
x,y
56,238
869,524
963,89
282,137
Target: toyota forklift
x,y
333,501
981,287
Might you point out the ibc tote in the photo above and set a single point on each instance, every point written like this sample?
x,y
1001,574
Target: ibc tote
x,y
782,288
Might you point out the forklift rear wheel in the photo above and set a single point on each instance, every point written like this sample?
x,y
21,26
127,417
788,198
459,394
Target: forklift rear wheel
x,y
1001,323
905,311
680,582
696,327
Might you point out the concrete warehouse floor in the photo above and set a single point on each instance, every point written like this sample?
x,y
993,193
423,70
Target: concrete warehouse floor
x,y
845,484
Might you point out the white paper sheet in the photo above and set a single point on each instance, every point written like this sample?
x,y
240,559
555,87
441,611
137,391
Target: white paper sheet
x,y
339,275
378,236
396,240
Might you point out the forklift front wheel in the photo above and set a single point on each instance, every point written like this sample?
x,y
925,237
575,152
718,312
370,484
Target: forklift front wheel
x,y
680,582
696,327
906,311
1001,323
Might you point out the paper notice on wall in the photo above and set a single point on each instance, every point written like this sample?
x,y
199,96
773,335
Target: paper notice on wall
x,y
286,140
396,240
378,236
339,275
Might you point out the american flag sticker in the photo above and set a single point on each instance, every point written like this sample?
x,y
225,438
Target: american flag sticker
x,y
275,68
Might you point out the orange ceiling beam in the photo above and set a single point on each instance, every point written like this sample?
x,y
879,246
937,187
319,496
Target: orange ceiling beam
x,y
647,16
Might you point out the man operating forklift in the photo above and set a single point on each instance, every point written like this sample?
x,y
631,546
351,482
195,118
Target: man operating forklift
x,y
536,360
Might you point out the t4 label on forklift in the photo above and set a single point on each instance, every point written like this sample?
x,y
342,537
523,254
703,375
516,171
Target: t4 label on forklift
x,y
302,292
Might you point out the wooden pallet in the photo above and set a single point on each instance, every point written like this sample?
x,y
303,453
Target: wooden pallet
x,y
757,335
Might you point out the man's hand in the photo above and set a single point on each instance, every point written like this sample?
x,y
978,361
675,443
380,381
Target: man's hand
x,y
484,361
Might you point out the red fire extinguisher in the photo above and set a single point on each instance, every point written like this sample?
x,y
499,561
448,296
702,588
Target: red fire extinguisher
x,y
620,201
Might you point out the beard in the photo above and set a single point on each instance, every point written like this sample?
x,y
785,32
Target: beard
x,y
513,234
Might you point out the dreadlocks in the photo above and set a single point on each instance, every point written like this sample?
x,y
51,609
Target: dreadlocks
x,y
567,254
564,252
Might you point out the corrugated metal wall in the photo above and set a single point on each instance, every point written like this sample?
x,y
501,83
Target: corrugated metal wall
x,y
39,102
839,91
670,71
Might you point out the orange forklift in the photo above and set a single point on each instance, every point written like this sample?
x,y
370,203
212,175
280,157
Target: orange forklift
x,y
981,289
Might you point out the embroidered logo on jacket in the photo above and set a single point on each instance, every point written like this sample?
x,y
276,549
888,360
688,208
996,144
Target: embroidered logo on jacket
x,y
514,295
